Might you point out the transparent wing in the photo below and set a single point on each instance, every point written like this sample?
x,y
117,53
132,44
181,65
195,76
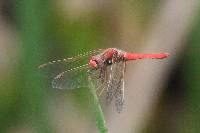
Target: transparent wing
x,y
72,79
116,84
71,59
119,91
110,88
50,70
97,77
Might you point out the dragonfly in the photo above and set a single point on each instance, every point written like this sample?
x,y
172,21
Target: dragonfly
x,y
105,67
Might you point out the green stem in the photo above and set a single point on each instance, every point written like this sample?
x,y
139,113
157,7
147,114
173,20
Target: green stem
x,y
101,124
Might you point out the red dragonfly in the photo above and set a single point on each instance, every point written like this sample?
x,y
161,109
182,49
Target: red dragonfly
x,y
105,67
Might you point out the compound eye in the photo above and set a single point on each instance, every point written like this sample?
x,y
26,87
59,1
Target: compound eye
x,y
109,62
93,63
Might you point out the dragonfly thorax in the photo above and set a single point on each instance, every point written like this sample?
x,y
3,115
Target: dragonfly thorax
x,y
107,58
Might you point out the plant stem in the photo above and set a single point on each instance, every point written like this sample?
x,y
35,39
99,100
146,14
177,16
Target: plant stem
x,y
101,124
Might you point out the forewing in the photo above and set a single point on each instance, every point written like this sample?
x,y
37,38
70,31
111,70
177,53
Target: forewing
x,y
71,79
116,84
110,88
97,78
71,59
53,69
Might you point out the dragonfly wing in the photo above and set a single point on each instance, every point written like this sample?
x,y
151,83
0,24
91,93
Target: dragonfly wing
x,y
96,78
116,84
65,74
119,91
53,69
71,79
110,88
71,59
49,71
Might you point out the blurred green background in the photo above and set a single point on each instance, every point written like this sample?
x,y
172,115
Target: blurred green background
x,y
161,96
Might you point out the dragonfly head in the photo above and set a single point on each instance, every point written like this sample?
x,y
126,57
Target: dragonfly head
x,y
95,61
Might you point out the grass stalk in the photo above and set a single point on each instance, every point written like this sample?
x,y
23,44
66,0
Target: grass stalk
x,y
100,120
